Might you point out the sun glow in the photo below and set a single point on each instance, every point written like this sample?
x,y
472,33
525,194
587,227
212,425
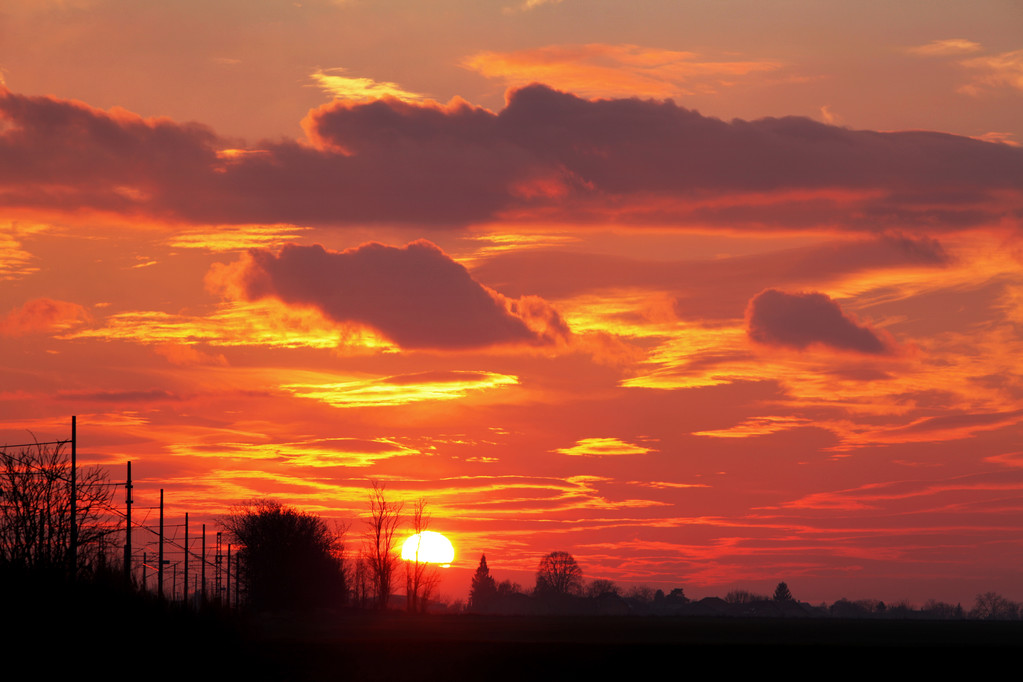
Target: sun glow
x,y
428,547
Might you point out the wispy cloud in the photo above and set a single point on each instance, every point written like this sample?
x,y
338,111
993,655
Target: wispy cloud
x,y
603,447
996,71
335,83
941,48
604,70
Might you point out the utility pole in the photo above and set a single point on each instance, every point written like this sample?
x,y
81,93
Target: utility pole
x,y
229,576
127,528
185,594
203,563
218,564
74,498
159,564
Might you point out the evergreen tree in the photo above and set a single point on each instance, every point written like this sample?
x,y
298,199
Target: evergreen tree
x,y
781,593
484,589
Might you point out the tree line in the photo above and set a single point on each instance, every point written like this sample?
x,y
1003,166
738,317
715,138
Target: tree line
x,y
290,559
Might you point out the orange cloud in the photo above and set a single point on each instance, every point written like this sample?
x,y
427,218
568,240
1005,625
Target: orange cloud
x,y
1003,70
603,447
401,390
602,70
941,48
43,315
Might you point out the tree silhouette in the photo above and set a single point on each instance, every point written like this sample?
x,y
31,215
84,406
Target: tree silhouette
x,y
781,593
36,512
993,606
383,522
601,587
289,559
421,577
484,590
558,574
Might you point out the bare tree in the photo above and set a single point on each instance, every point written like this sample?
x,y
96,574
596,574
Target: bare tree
x,y
36,512
558,573
383,524
993,606
421,577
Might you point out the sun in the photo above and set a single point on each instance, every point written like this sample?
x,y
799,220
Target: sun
x,y
432,548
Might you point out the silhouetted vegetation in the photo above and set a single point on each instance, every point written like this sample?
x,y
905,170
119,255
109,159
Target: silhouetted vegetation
x,y
36,512
385,516
288,559
558,574
421,577
483,592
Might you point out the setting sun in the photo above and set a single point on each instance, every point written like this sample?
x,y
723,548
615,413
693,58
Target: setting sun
x,y
432,548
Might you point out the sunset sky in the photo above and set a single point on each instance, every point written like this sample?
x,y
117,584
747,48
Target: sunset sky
x,y
709,294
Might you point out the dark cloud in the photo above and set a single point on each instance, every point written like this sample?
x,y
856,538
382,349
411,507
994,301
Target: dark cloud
x,y
777,318
416,296
547,154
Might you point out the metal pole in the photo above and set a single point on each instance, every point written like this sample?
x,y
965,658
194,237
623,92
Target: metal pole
x,y
184,596
74,498
229,576
127,527
159,563
203,563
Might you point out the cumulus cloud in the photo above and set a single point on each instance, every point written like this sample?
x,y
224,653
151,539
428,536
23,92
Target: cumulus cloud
x,y
416,296
42,315
777,318
547,155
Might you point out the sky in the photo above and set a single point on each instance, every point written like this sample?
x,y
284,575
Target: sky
x,y
707,294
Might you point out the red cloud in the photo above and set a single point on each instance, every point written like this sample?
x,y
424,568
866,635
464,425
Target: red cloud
x,y
548,153
416,296
776,318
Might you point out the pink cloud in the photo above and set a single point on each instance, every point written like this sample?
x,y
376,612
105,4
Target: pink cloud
x,y
777,318
547,154
416,296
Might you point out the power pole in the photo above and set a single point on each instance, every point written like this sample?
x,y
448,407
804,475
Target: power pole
x,y
218,564
74,498
159,563
185,593
203,563
229,576
127,528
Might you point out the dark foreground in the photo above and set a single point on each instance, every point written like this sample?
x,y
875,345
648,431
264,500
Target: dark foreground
x,y
466,647
148,640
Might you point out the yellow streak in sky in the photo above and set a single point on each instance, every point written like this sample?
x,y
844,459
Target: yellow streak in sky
x,y
601,447
375,392
360,89
238,237
262,323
